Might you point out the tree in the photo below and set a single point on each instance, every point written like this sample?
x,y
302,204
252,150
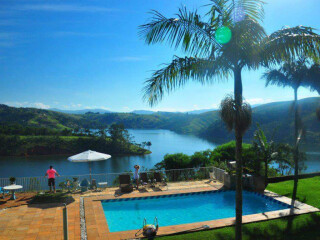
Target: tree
x,y
102,133
120,136
87,131
266,151
294,74
313,81
149,144
228,39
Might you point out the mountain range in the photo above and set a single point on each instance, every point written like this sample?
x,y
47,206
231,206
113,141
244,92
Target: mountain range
x,y
102,111
276,119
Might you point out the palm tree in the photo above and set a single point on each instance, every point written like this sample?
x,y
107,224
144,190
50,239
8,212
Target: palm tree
x,y
313,81
266,150
294,74
228,39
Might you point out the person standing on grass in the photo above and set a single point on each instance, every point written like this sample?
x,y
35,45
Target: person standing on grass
x,y
51,173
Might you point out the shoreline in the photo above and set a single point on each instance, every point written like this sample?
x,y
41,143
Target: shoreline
x,y
67,154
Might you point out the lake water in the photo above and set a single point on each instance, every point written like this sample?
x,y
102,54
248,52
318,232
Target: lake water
x,y
163,142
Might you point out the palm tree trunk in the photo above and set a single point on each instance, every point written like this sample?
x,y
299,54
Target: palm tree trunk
x,y
295,158
296,145
266,172
238,136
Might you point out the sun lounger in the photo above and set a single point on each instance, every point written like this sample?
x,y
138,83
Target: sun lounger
x,y
125,183
144,180
158,180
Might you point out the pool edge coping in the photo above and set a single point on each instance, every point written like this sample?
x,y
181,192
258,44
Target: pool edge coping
x,y
97,226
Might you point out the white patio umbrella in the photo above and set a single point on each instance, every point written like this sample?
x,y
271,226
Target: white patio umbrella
x,y
89,156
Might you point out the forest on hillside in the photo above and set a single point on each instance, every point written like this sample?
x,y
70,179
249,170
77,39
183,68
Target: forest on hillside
x,y
276,119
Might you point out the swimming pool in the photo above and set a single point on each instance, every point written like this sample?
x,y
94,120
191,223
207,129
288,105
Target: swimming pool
x,y
128,213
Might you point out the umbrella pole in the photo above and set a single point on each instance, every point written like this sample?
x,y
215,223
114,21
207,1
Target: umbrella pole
x,y
90,173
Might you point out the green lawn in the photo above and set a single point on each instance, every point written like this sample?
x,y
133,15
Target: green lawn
x,y
303,227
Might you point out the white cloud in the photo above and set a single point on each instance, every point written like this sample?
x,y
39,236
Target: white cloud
x,y
97,107
126,109
76,105
40,105
215,105
254,101
62,8
28,104
167,110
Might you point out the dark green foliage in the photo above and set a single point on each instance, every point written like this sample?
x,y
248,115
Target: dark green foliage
x,y
46,145
274,118
225,153
58,197
200,159
120,137
12,180
175,161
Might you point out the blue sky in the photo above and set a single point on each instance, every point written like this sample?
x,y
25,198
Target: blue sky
x,y
87,54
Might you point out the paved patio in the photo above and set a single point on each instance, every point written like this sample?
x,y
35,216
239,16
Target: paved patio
x,y
44,221
39,221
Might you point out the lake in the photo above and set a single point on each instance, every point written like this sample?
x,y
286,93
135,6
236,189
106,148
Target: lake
x,y
163,142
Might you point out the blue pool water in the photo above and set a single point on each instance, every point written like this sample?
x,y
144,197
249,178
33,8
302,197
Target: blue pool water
x,y
128,214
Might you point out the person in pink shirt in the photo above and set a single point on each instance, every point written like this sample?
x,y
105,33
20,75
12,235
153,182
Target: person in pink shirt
x,y
51,173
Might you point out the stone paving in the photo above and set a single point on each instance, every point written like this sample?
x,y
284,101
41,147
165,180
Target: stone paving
x,y
22,199
39,221
44,221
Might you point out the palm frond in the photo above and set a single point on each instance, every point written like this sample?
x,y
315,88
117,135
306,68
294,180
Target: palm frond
x,y
228,12
261,137
289,43
313,78
178,72
228,114
186,30
244,48
252,8
219,13
276,77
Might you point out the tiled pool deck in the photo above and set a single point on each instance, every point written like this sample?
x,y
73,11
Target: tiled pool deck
x,y
97,226
44,221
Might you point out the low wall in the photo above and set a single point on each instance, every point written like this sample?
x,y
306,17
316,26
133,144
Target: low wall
x,y
291,177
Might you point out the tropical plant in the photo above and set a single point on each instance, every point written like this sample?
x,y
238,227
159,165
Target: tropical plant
x,y
265,150
228,39
294,74
12,180
285,159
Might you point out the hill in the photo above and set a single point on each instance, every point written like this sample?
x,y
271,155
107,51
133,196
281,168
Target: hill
x,y
81,111
276,119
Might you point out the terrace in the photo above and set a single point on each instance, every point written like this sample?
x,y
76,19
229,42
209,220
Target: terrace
x,y
31,218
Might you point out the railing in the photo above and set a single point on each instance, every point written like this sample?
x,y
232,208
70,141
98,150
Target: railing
x,y
175,175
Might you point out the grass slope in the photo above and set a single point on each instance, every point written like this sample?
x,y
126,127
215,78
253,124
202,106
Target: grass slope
x,y
304,226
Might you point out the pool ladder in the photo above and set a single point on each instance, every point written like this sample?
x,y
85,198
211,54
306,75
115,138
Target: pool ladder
x,y
155,223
